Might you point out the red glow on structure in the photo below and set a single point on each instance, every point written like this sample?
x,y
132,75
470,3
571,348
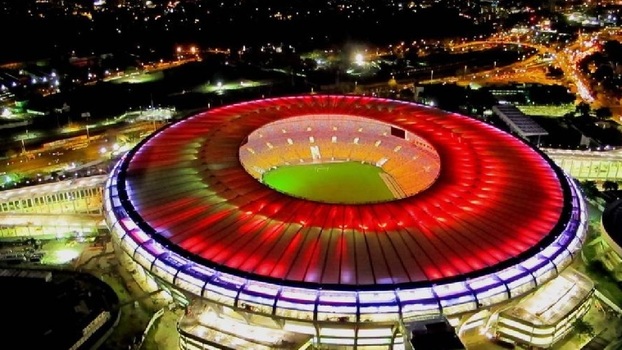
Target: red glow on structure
x,y
494,198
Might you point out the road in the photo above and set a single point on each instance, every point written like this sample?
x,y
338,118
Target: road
x,y
42,160
532,71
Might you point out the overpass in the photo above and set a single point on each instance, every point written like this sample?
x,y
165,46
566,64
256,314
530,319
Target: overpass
x,y
541,48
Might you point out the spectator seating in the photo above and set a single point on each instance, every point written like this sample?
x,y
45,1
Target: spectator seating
x,y
411,163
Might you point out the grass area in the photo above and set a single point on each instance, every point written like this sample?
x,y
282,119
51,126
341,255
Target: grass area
x,y
139,77
552,111
242,84
602,278
604,282
347,182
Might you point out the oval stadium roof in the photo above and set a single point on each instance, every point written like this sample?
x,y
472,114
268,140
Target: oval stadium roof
x,y
496,200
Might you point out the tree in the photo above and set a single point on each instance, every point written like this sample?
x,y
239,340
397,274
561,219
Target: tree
x,y
603,113
613,48
583,109
610,185
583,328
554,72
589,188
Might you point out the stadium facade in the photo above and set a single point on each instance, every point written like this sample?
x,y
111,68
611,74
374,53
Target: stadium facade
x,y
479,217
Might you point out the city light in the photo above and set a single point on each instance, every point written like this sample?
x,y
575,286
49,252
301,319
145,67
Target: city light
x,y
358,59
485,149
64,256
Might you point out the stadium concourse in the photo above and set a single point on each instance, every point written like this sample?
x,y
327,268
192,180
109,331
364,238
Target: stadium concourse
x,y
477,217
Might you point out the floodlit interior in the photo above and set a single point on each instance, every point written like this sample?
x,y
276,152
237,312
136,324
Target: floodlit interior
x,y
410,163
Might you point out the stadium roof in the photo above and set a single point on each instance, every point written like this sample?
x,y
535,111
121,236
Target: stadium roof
x,y
496,201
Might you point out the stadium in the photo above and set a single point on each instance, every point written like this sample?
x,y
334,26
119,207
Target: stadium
x,y
244,214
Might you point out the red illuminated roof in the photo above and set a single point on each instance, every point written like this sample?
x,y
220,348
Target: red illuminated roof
x,y
495,199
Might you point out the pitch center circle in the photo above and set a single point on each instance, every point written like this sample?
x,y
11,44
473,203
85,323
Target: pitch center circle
x,y
343,159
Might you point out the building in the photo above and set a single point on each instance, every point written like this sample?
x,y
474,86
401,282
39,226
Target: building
x,y
480,218
433,334
56,209
519,123
62,309
542,319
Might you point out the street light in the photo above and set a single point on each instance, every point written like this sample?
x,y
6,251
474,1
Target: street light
x,y
431,74
26,136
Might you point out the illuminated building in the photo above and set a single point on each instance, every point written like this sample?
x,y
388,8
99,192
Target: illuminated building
x,y
549,314
57,209
482,217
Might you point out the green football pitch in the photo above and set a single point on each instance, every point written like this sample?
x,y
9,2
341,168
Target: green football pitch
x,y
347,182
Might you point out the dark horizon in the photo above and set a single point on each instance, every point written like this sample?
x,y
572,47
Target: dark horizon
x,y
61,34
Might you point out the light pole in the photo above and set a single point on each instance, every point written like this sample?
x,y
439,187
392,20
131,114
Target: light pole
x,y
23,144
431,74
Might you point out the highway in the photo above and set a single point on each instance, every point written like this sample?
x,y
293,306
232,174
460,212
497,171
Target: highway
x,y
62,159
583,165
530,70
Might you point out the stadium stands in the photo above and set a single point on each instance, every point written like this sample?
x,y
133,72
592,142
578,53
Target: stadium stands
x,y
410,163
